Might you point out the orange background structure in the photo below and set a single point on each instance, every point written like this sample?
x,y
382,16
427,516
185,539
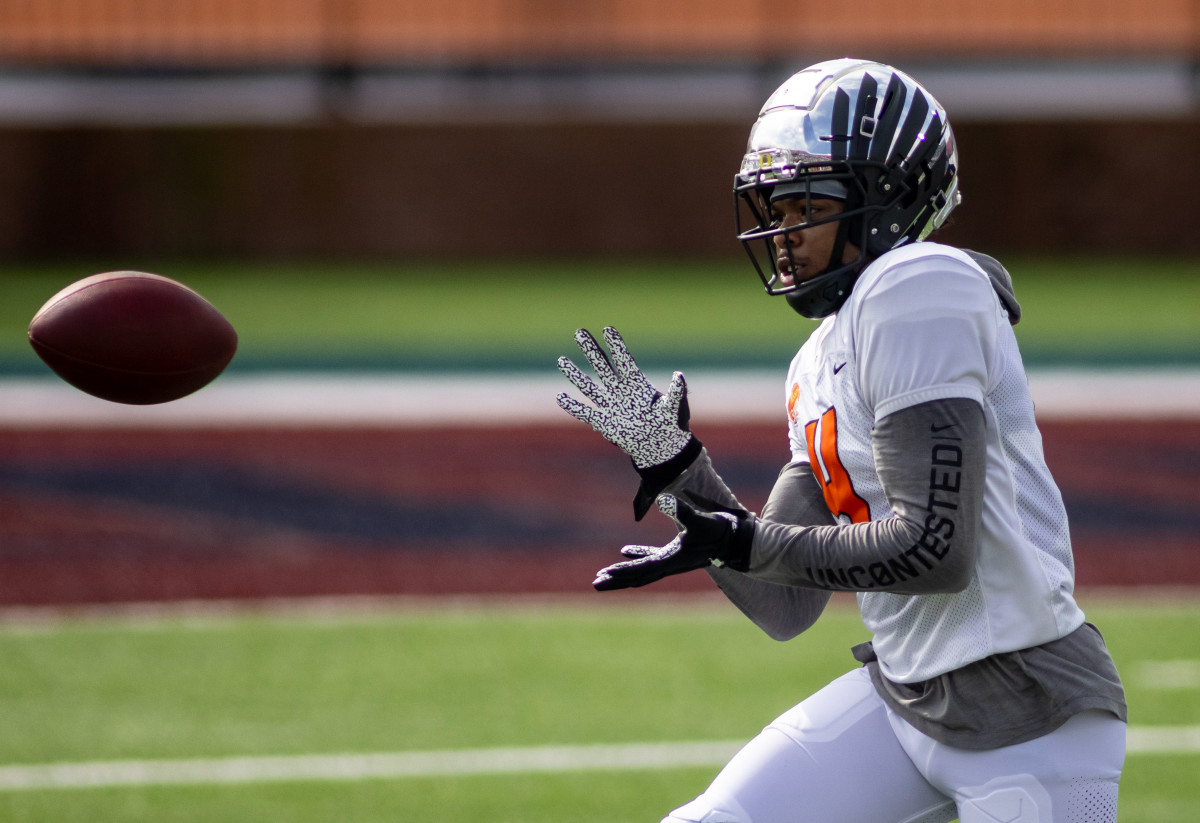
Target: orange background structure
x,y
257,32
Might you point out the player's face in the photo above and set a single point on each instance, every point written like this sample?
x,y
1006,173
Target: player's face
x,y
805,253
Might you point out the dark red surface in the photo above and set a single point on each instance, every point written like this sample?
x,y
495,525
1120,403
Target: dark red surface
x,y
114,516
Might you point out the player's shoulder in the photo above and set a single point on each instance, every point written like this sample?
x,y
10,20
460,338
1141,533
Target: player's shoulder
x,y
917,260
921,277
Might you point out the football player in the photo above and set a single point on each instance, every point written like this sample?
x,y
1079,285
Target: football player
x,y
917,480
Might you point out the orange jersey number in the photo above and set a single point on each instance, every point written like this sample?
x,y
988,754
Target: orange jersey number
x,y
827,466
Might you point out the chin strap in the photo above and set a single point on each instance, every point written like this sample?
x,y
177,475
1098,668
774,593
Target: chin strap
x,y
826,297
839,243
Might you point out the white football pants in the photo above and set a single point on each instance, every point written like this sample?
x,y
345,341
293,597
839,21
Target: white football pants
x,y
842,756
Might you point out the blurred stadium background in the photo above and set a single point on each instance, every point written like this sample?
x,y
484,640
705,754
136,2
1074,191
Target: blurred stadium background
x,y
270,128
265,147
238,144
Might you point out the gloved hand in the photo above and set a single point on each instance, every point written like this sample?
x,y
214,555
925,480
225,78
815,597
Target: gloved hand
x,y
718,538
632,414
628,410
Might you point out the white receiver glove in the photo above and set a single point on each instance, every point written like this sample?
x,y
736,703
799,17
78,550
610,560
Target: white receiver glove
x,y
628,411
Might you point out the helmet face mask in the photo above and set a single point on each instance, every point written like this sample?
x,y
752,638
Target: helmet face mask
x,y
759,230
859,132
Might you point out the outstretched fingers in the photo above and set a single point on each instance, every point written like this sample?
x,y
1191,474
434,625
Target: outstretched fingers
x,y
586,385
623,363
646,566
635,552
595,354
615,576
636,573
676,400
580,411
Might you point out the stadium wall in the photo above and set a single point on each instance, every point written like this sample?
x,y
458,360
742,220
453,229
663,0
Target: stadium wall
x,y
543,189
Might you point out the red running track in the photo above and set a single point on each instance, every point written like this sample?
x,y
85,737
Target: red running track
x,y
149,515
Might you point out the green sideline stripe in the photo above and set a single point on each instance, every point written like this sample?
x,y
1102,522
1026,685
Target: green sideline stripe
x,y
453,763
544,362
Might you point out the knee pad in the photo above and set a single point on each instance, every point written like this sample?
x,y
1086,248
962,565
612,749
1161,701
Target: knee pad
x,y
1011,800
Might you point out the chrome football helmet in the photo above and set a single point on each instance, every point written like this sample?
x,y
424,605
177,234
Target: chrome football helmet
x,y
856,131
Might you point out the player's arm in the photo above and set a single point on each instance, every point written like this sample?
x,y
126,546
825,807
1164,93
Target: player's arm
x,y
931,459
781,611
925,337
652,429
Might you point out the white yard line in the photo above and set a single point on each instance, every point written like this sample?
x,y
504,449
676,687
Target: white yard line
x,y
1163,740
1167,675
449,763
454,763
515,399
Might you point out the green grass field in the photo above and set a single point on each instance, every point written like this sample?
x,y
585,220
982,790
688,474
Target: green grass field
x,y
423,679
523,314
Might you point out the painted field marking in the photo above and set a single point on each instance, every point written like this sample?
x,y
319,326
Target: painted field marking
x,y
461,762
1163,740
449,763
489,399
1168,674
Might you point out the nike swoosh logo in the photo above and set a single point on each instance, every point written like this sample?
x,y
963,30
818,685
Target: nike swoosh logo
x,y
933,427
837,369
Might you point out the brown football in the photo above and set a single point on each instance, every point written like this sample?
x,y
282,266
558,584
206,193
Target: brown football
x,y
132,337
